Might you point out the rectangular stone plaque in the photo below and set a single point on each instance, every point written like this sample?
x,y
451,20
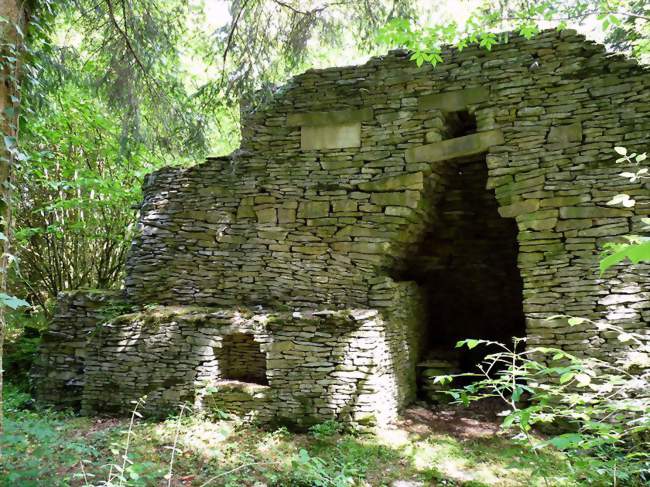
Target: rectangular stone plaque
x,y
330,136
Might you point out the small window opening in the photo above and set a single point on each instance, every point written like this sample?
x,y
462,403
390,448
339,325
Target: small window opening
x,y
242,359
460,123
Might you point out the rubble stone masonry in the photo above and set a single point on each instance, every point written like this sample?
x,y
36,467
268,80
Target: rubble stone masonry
x,y
340,185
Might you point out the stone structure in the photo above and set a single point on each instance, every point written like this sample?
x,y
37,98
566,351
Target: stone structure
x,y
418,205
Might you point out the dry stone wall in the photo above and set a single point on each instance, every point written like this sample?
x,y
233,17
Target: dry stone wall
x,y
352,365
339,182
58,373
280,222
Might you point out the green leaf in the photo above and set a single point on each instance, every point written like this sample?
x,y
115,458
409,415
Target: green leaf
x,y
12,301
567,440
470,343
574,320
442,379
621,150
566,377
635,253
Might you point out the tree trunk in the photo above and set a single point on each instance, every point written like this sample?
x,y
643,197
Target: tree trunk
x,y
13,22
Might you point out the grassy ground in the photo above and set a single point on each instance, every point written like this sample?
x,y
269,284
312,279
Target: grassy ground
x,y
446,448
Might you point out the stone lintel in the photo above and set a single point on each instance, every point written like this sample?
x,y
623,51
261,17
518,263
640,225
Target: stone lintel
x,y
330,136
453,101
452,148
329,118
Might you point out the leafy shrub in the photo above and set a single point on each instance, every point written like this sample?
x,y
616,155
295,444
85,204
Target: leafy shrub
x,y
313,471
602,409
22,340
326,429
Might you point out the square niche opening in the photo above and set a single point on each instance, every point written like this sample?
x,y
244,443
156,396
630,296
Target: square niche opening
x,y
242,360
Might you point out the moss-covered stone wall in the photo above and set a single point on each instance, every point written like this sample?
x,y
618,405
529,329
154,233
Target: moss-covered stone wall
x,y
351,365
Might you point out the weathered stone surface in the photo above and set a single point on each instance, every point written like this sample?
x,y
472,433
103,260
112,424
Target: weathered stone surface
x,y
341,117
405,198
405,181
330,136
519,208
566,133
313,209
266,215
570,212
454,148
452,101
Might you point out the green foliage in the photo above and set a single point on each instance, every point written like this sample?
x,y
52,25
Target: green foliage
x,y
82,451
326,429
75,222
31,445
22,338
634,248
526,18
602,405
267,41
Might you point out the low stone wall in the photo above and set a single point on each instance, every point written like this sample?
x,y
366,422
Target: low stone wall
x,y
352,365
58,373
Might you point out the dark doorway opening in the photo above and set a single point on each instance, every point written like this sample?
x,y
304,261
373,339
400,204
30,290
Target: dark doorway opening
x,y
241,359
466,267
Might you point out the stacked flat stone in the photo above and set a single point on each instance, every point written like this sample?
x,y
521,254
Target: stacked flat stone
x,y
432,390
337,183
58,372
348,364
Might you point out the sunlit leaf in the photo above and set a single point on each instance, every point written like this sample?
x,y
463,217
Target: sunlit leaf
x,y
12,301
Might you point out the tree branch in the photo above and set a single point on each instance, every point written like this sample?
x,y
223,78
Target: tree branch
x,y
124,36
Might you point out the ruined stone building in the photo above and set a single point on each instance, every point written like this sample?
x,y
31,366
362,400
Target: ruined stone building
x,y
373,215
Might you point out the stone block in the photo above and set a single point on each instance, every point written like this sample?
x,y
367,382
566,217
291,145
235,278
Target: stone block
x,y
245,212
266,215
405,181
565,200
565,133
453,101
340,117
344,205
453,148
330,136
406,198
519,208
361,247
312,250
313,209
286,215
569,212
